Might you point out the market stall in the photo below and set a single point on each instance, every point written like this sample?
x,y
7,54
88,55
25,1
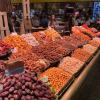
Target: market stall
x,y
57,61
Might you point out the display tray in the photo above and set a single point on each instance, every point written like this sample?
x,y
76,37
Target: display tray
x,y
65,87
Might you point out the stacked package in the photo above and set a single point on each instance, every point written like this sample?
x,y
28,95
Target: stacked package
x,y
57,78
70,64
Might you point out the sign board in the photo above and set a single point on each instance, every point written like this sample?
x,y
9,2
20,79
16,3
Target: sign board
x,y
96,11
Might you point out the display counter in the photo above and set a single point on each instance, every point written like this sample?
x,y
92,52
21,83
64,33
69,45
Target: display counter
x,y
87,85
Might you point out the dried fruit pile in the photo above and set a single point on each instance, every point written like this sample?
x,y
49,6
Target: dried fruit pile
x,y
78,40
70,64
94,43
17,41
57,78
4,48
87,30
97,39
31,61
81,54
76,31
67,42
30,39
25,86
52,51
52,34
89,48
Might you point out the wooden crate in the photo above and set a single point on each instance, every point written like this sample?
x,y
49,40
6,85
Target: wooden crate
x,y
4,29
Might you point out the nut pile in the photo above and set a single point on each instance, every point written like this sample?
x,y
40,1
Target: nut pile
x,y
25,86
30,39
94,43
81,54
57,78
89,48
70,64
97,39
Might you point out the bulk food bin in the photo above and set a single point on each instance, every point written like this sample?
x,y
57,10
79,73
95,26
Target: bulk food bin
x,y
87,85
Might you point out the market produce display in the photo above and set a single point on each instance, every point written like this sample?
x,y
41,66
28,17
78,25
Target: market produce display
x,y
30,39
94,43
81,54
89,48
17,42
31,61
4,48
76,31
25,86
57,77
70,64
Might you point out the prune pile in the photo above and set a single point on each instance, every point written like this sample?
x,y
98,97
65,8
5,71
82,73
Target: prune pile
x,y
25,86
4,48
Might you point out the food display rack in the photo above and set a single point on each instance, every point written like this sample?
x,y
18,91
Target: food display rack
x,y
73,93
